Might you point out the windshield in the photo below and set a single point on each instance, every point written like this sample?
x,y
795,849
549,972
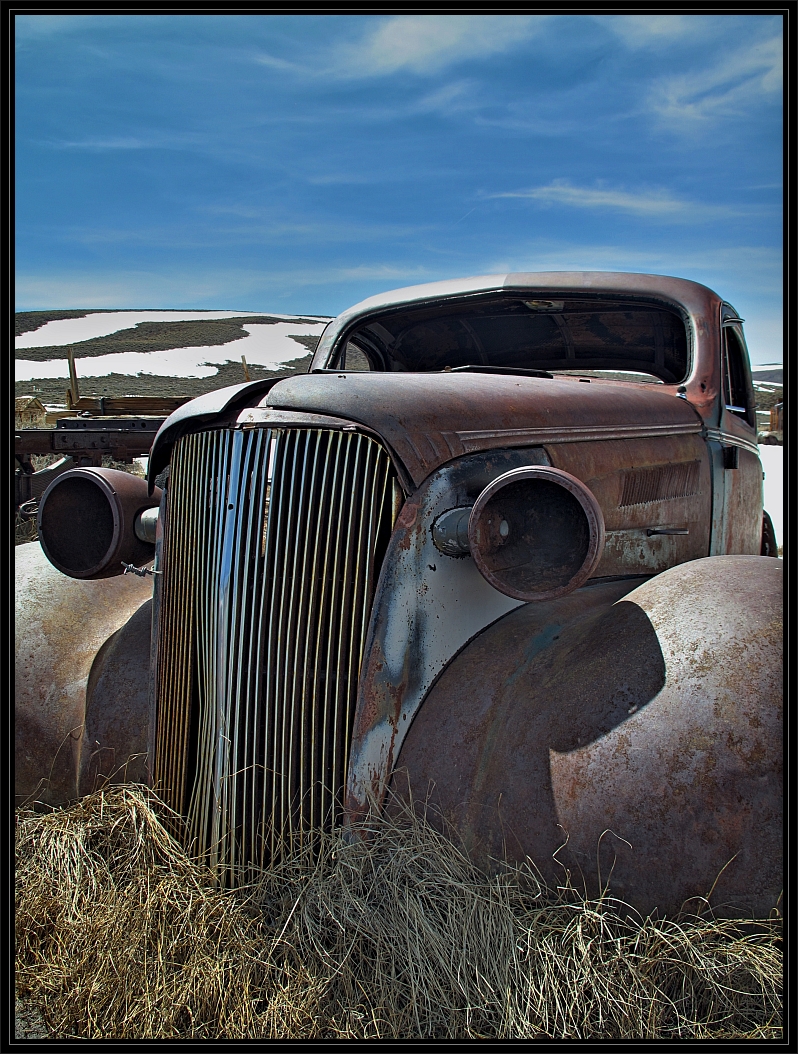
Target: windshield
x,y
555,336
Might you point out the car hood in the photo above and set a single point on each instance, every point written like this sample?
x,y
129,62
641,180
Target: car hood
x,y
429,418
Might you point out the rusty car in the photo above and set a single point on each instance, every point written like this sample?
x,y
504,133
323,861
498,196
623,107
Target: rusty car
x,y
501,553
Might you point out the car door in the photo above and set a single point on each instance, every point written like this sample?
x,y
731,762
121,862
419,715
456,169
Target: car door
x,y
737,469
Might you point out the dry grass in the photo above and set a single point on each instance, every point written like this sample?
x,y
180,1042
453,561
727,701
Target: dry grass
x,y
120,935
25,529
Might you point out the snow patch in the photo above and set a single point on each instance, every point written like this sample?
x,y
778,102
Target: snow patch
x,y
72,330
773,486
269,345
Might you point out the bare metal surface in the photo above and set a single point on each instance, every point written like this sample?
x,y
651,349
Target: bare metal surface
x,y
86,521
645,734
536,533
427,606
61,626
263,417
270,558
145,525
450,531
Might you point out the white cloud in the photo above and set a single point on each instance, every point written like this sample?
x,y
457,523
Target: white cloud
x,y
148,141
655,204
734,85
416,43
283,65
654,30
113,143
428,43
125,289
451,98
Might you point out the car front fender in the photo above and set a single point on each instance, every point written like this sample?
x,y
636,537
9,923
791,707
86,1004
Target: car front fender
x,y
81,679
641,746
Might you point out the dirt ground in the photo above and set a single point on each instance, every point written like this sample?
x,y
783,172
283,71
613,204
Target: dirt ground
x,y
28,1022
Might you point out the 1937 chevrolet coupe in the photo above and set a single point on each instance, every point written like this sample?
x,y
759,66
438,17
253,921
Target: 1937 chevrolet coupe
x,y
502,547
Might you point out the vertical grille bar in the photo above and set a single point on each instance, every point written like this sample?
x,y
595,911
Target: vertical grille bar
x,y
272,546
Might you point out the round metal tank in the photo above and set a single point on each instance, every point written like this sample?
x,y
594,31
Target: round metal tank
x,y
87,522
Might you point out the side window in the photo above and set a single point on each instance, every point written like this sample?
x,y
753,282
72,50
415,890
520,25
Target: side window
x,y
737,387
354,359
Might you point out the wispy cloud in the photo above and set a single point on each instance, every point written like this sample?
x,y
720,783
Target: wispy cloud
x,y
34,27
263,58
148,139
551,254
262,225
741,80
451,98
421,44
128,142
749,275
645,31
653,204
429,43
344,179
231,289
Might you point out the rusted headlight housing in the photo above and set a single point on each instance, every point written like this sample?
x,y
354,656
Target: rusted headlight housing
x,y
87,522
536,533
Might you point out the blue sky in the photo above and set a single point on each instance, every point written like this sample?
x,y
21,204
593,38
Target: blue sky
x,y
302,163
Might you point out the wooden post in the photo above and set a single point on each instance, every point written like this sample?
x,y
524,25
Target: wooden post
x,y
73,378
246,370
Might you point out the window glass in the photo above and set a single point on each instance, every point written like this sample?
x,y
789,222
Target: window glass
x,y
355,359
738,390
508,333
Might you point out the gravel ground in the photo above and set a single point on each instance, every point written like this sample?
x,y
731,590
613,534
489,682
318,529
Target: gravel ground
x,y
28,1022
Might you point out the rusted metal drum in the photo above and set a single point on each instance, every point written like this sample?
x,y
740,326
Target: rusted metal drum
x,y
87,518
82,670
640,748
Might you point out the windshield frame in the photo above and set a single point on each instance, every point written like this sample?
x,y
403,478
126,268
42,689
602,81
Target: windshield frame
x,y
448,306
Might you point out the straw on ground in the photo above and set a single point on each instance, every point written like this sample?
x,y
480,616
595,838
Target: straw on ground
x,y
120,935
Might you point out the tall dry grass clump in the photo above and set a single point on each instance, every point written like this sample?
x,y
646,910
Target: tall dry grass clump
x,y
120,935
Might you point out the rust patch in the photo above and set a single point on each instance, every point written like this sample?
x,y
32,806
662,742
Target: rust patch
x,y
634,720
61,626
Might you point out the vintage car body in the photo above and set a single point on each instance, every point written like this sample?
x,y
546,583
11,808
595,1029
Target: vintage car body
x,y
499,550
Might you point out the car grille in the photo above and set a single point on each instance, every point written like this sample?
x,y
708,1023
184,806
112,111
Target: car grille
x,y
272,545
